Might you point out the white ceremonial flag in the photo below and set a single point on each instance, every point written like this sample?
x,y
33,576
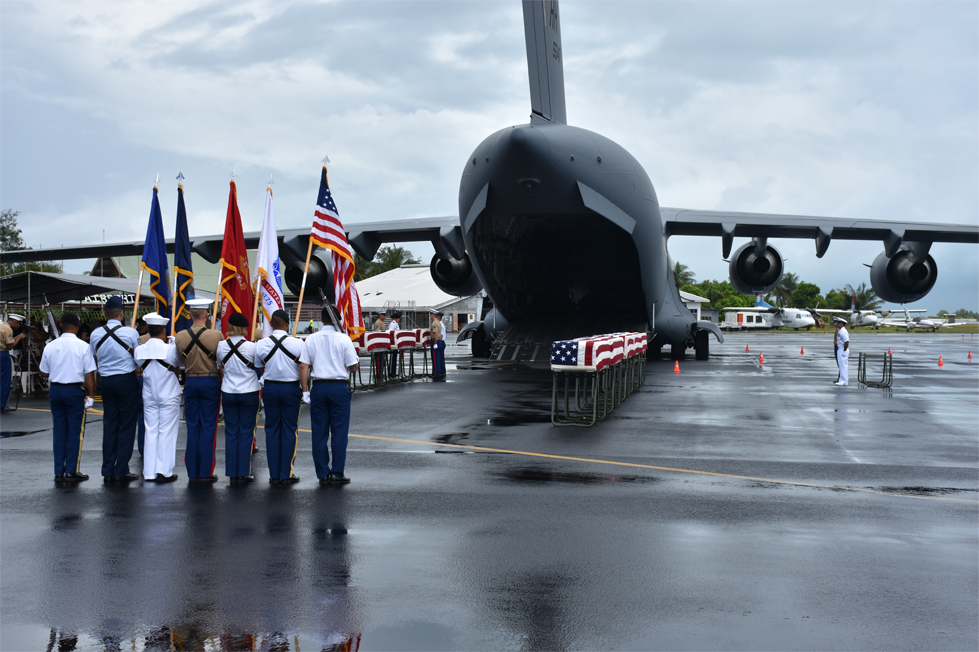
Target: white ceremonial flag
x,y
268,279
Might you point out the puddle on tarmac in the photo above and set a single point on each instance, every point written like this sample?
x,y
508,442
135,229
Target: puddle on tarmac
x,y
537,475
451,438
17,433
924,491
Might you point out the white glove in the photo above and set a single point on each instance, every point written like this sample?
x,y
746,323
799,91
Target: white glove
x,y
261,382
306,398
171,339
89,402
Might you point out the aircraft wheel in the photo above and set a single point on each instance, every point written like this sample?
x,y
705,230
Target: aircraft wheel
x,y
479,344
701,345
677,351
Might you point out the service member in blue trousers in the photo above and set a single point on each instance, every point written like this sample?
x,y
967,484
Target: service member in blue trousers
x,y
278,355
197,347
239,394
113,346
438,345
328,358
7,342
68,363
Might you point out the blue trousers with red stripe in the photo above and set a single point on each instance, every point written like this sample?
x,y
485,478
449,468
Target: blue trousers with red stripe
x,y
202,400
240,415
68,414
281,426
5,370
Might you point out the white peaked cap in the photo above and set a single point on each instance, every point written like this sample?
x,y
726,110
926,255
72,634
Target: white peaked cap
x,y
199,303
154,319
16,317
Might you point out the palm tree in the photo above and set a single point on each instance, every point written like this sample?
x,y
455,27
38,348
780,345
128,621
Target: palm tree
x,y
864,298
785,287
683,275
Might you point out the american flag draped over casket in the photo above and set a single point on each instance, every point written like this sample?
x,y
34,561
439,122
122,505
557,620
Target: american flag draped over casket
x,y
597,352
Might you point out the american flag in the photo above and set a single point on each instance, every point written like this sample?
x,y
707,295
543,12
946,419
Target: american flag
x,y
564,353
328,233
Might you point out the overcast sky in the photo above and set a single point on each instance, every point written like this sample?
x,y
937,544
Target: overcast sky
x,y
848,109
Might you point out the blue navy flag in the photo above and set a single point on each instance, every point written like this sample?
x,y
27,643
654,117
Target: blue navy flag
x,y
182,267
155,257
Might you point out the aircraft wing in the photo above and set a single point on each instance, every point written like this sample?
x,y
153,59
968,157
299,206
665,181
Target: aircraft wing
x,y
830,311
728,225
365,237
747,309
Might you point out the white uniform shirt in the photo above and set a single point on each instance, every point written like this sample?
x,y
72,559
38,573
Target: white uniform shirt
x,y
238,378
280,367
329,353
113,359
841,338
159,383
67,360
393,326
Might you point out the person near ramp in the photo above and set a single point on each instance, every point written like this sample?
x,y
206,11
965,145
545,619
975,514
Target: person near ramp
x,y
438,345
278,354
159,363
113,346
328,357
7,342
197,347
841,347
239,394
68,363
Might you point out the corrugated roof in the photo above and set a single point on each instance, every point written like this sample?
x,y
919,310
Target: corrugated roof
x,y
404,285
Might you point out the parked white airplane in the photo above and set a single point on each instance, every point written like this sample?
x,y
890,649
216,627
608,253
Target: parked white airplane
x,y
854,316
910,323
781,317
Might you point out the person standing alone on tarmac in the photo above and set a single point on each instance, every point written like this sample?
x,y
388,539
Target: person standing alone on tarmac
x,y
279,354
239,392
113,346
841,347
159,363
438,346
197,347
7,342
395,325
67,363
328,358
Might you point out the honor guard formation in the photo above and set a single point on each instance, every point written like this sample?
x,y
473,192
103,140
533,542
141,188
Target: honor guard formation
x,y
140,380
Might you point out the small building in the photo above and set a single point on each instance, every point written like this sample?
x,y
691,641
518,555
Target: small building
x,y
693,303
411,290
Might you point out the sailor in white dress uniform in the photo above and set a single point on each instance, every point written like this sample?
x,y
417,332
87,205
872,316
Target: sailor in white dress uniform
x,y
161,401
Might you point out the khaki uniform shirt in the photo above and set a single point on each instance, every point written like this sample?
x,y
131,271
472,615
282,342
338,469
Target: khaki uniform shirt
x,y
378,325
144,338
6,335
436,329
195,362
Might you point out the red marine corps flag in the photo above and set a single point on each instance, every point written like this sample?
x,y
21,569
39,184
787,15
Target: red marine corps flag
x,y
234,280
328,233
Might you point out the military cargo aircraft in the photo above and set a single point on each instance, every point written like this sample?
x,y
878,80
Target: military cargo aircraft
x,y
563,230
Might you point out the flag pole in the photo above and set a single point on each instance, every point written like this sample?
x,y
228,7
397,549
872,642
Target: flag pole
x,y
139,285
217,294
173,299
258,289
302,289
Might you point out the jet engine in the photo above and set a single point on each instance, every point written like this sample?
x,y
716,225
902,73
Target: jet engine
x,y
904,277
319,276
756,268
454,276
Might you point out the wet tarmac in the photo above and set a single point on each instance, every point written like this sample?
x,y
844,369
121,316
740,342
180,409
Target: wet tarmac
x,y
730,506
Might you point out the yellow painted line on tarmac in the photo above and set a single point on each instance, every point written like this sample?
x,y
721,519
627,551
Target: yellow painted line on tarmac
x,y
634,465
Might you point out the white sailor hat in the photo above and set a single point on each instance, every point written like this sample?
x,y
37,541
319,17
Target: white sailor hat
x,y
154,319
198,304
16,317
839,319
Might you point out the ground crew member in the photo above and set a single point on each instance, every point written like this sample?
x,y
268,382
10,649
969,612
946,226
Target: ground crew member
x,y
278,354
239,394
438,346
113,346
841,347
379,324
159,363
67,362
7,342
328,357
395,325
197,347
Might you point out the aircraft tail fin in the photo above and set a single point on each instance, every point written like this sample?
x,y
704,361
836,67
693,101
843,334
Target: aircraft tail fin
x,y
545,61
761,303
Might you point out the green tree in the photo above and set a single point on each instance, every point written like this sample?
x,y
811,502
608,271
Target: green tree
x,y
863,297
783,291
11,240
720,295
805,295
387,258
837,300
962,313
683,275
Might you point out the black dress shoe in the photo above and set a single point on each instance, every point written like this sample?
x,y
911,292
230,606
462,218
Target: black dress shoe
x,y
77,477
291,480
212,478
273,481
246,478
109,479
337,478
166,478
60,477
127,477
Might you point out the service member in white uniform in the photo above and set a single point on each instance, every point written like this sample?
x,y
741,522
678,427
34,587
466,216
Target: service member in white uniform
x,y
278,354
68,363
328,357
239,395
842,349
395,325
159,362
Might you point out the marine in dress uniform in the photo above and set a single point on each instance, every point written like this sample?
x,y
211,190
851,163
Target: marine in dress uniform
x,y
239,393
68,363
278,354
327,358
158,361
438,346
841,347
7,342
113,346
197,347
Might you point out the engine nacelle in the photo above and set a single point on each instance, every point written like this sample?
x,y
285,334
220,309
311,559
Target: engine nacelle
x,y
319,276
904,277
454,276
752,273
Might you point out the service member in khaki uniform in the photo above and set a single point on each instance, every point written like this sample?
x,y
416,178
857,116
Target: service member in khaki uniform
x,y
438,345
379,324
8,341
197,347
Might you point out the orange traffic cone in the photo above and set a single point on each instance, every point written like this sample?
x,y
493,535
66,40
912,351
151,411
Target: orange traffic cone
x,y
761,358
970,355
940,363
676,367
803,351
889,351
746,348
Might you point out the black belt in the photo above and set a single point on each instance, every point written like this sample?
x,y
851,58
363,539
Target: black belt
x,y
282,382
78,384
328,380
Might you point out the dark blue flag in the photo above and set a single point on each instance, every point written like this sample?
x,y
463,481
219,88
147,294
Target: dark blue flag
x,y
182,266
155,258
